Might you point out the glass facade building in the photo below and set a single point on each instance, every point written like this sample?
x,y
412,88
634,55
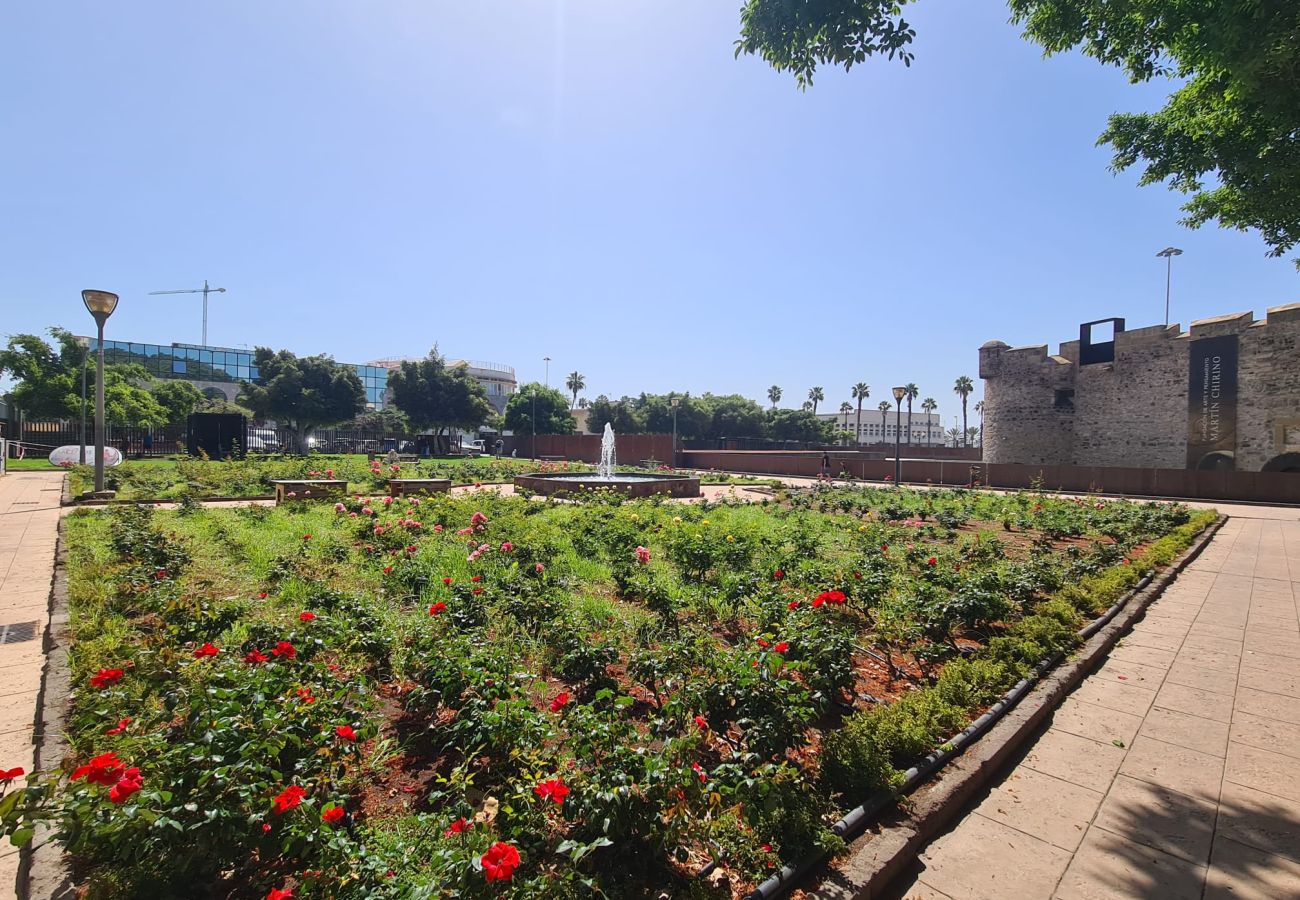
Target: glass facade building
x,y
218,366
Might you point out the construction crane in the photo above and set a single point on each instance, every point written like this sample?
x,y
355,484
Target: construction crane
x,y
205,290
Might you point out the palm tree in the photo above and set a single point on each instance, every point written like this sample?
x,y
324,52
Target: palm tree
x,y
929,406
911,392
955,436
774,394
845,408
807,406
861,391
884,407
963,388
979,408
583,403
816,395
575,382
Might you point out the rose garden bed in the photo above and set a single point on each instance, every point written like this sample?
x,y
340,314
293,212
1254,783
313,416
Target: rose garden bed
x,y
473,695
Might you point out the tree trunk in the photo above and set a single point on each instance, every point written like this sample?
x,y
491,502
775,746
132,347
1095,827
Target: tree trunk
x,y
858,435
909,421
965,439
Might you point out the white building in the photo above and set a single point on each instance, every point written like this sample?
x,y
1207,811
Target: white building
x,y
498,379
880,428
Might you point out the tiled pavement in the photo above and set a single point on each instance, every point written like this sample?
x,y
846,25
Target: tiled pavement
x,y
29,517
1173,771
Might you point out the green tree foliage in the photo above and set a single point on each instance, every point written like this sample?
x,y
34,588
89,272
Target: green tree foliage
x,y
575,383
799,425
178,399
1229,136
438,397
48,381
552,411
303,393
387,421
622,414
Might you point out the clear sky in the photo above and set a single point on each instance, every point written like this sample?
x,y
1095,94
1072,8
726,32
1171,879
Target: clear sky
x,y
598,181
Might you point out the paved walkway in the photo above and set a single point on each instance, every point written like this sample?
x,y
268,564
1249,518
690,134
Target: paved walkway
x,y
29,518
1173,771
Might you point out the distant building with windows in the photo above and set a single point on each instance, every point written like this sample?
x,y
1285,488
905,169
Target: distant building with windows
x,y
498,379
926,429
219,371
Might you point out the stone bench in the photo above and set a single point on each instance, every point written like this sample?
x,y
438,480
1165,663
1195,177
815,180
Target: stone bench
x,y
400,486
308,489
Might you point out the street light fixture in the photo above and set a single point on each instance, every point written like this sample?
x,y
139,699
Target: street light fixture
x,y
547,360
100,304
1168,253
532,392
674,402
899,394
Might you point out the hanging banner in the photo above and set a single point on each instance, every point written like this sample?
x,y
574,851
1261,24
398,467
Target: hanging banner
x,y
1212,403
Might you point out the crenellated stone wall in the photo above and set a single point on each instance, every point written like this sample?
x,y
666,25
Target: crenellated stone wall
x,y
1133,410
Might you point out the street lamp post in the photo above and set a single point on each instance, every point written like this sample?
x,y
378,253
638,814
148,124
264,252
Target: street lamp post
x,y
899,394
85,362
676,402
1168,253
547,360
533,393
100,304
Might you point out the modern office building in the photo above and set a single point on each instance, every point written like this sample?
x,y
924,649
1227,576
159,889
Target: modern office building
x,y
221,370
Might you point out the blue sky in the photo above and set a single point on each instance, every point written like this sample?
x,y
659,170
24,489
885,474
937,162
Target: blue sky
x,y
598,181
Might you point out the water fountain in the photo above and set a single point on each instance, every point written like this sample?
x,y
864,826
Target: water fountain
x,y
634,484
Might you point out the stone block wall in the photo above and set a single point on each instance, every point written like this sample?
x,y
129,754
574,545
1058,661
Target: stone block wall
x,y
1048,410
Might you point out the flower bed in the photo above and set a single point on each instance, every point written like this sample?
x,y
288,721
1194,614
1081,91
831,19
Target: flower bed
x,y
478,695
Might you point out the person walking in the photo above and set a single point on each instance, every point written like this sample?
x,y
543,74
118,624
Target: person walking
x,y
147,443
826,467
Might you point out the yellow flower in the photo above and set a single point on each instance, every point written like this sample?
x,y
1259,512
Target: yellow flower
x,y
862,528
705,522
731,539
677,519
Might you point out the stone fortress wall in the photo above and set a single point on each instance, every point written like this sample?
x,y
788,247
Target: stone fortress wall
x,y
1132,407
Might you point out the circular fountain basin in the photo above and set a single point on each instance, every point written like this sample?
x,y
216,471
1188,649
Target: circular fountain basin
x,y
631,483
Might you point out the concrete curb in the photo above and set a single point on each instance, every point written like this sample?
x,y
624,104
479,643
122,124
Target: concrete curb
x,y
875,859
43,869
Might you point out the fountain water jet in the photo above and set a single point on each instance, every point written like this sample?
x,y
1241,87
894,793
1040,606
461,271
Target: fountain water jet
x,y
634,484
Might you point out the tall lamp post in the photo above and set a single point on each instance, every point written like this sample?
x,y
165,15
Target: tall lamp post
x,y
675,402
100,304
547,360
899,394
1168,253
532,392
85,361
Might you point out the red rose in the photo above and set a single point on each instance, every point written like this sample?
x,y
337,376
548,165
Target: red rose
x,y
130,782
253,657
448,581
561,699
460,826
500,861
208,649
702,723
778,574
477,578
931,561
120,728
346,733
8,775
160,574
333,814
554,789
285,649
388,570
478,590
306,616
289,798
306,537
105,677
437,608
277,894
782,646
699,771
104,769
793,604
